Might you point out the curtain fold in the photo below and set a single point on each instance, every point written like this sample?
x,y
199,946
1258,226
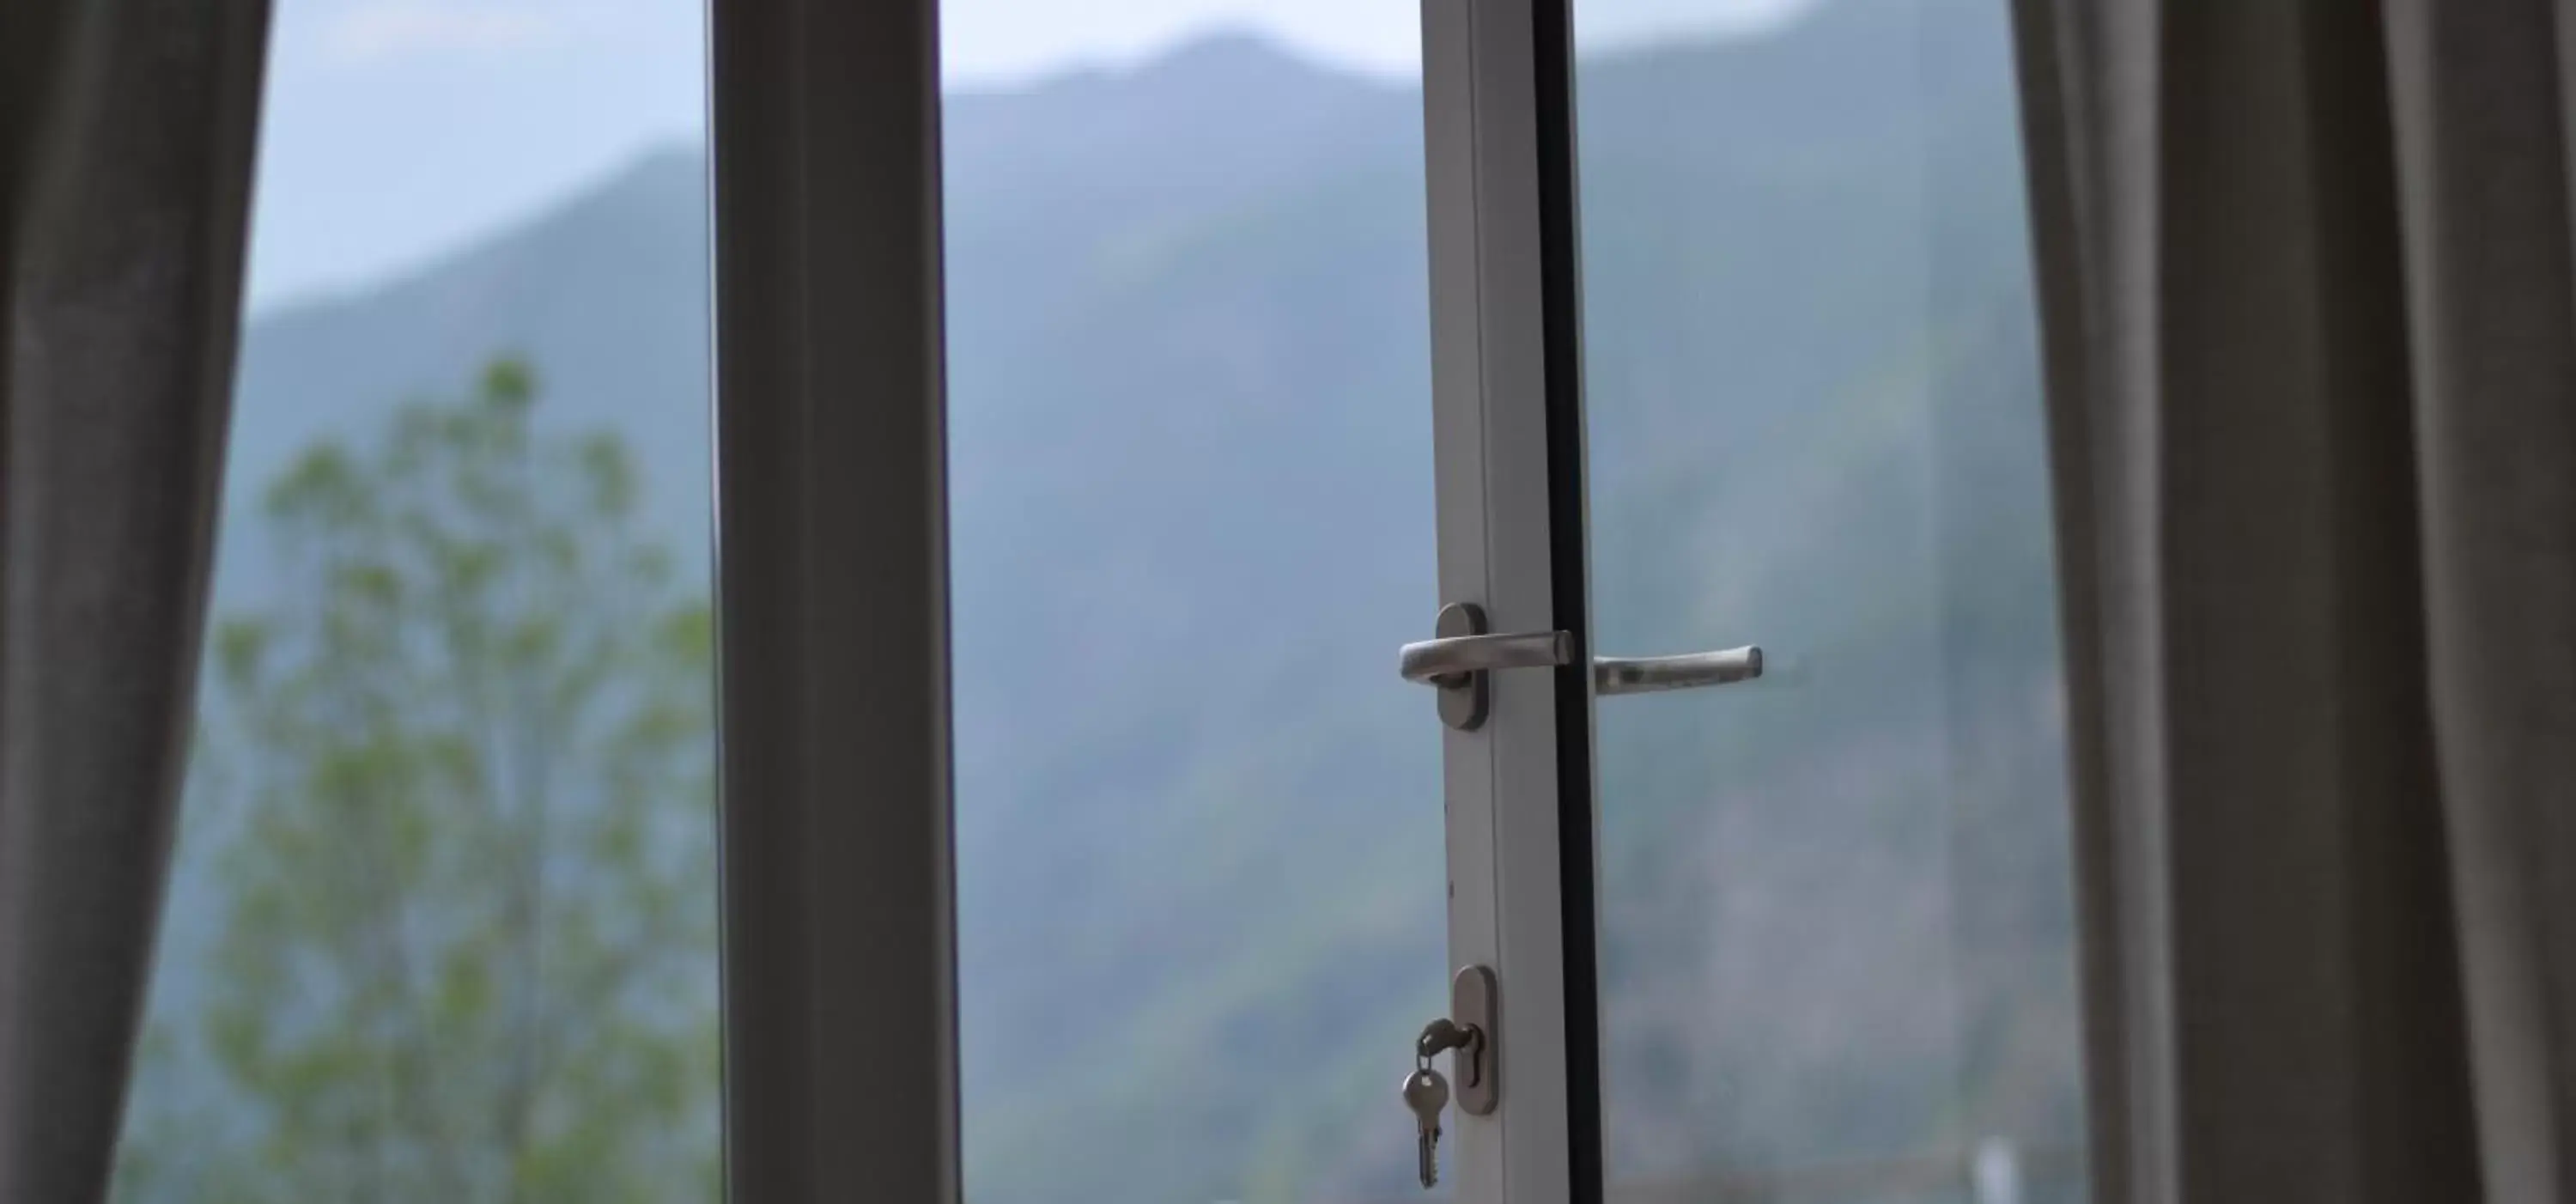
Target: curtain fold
x,y
2481,118
2312,376
126,133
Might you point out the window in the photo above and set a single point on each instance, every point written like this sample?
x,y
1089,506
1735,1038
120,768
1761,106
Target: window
x,y
441,923
1715,332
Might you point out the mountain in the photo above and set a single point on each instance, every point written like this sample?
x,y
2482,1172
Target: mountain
x,y
1199,833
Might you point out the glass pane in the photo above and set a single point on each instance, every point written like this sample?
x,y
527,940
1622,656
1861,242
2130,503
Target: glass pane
x,y
1838,959
441,920
1199,821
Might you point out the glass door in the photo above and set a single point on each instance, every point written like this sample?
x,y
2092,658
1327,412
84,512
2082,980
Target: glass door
x,y
1736,365
1188,456
1837,937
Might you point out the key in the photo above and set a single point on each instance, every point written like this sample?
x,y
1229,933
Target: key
x,y
1426,1092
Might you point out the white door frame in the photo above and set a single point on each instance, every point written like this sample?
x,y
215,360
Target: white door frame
x,y
1507,432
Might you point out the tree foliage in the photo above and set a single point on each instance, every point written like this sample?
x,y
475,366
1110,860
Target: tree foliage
x,y
459,780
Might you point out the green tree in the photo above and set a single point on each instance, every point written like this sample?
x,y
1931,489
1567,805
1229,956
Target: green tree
x,y
460,778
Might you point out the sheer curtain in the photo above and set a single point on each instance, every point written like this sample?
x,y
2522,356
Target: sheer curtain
x,y
2313,399
126,130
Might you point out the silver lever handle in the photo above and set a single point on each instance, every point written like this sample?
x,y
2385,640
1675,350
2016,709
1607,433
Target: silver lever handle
x,y
1458,660
1448,660
1648,674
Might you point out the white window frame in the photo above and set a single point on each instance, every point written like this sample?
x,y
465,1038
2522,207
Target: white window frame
x,y
1508,436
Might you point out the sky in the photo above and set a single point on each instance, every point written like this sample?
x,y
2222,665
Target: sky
x,y
396,131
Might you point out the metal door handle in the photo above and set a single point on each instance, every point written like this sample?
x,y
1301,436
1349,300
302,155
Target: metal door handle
x,y
1648,674
1464,652
1449,660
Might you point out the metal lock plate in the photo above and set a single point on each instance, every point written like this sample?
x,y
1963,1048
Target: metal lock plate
x,y
1463,702
1476,1086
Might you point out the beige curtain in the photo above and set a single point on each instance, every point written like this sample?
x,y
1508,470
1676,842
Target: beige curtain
x,y
125,145
2311,335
